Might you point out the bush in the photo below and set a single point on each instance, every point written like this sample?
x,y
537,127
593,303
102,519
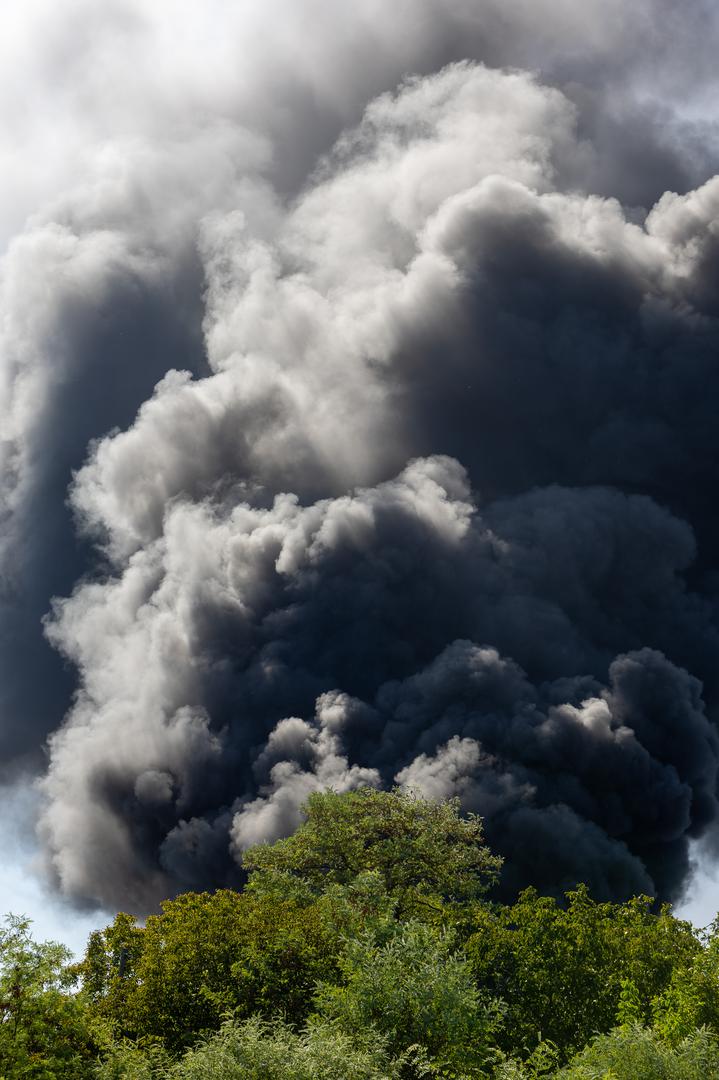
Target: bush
x,y
635,1053
417,991
128,1061
256,1050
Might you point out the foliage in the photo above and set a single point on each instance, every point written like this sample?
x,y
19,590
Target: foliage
x,y
45,1033
364,947
563,971
422,849
255,1050
208,953
634,1053
125,1060
109,971
417,991
541,1064
691,1000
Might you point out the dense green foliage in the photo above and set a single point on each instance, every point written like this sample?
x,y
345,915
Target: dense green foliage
x,y
364,947
45,1031
417,990
256,1050
422,850
636,1054
206,955
561,970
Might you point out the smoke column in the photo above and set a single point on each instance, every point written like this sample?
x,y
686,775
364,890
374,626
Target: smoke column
x,y
358,393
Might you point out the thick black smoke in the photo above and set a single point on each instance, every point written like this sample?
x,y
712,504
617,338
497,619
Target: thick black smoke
x,y
425,492
282,649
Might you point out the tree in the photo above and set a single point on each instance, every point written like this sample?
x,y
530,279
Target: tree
x,y
423,850
205,954
374,916
416,989
45,1032
562,970
362,862
691,1000
109,972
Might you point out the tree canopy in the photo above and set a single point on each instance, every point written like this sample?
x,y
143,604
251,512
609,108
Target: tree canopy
x,y
366,946
419,847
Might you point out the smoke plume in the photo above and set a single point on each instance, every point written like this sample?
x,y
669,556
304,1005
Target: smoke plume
x,y
357,395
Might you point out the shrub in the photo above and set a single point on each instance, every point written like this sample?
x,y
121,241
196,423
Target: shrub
x,y
257,1050
417,991
636,1053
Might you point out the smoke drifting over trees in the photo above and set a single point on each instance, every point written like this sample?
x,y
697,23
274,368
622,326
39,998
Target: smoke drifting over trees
x,y
358,405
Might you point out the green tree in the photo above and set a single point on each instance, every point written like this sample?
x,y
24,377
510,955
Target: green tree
x,y
691,1000
374,916
45,1031
109,972
424,851
205,954
416,989
563,971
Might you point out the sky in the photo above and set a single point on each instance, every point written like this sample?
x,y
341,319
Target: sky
x,y
358,389
24,892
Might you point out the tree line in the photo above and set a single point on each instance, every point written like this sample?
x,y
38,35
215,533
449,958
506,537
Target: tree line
x,y
365,946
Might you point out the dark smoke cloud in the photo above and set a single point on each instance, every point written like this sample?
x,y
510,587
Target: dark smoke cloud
x,y
76,383
221,634
372,426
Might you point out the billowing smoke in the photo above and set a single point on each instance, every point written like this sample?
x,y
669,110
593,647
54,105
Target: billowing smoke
x,y
359,427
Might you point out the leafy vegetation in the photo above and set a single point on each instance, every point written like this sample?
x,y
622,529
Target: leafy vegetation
x,y
364,946
416,990
562,970
423,851
45,1030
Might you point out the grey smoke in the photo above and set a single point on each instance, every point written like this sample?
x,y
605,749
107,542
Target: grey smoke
x,y
362,428
202,662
